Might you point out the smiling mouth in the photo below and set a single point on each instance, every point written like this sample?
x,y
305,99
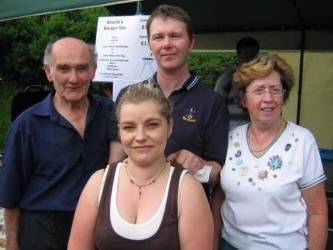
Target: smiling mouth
x,y
142,148
267,109
72,88
167,55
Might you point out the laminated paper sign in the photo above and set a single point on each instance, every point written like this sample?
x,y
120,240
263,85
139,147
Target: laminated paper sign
x,y
124,56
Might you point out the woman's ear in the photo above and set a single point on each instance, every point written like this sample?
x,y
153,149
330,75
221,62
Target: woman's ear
x,y
170,127
244,102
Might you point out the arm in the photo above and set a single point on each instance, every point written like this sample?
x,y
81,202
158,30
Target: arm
x,y
217,200
194,163
317,216
83,228
195,224
12,216
116,152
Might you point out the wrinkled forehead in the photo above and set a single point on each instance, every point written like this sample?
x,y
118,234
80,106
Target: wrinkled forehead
x,y
271,80
70,51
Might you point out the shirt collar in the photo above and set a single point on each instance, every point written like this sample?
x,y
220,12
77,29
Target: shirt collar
x,y
188,85
46,107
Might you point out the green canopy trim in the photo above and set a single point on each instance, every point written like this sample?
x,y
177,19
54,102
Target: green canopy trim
x,y
12,9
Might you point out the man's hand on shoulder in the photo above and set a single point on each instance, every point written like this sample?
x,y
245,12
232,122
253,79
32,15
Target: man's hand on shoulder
x,y
194,163
188,160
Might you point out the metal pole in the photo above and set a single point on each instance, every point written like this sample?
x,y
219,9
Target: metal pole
x,y
139,7
302,45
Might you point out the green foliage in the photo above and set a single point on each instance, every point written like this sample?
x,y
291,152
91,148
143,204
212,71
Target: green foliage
x,y
22,41
7,94
22,44
209,65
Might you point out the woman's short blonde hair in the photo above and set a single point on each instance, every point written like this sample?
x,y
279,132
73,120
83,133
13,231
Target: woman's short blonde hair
x,y
142,92
260,68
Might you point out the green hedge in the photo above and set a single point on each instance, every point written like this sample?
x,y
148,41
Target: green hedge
x,y
209,65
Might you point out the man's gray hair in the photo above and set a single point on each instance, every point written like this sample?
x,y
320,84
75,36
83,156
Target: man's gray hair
x,y
47,60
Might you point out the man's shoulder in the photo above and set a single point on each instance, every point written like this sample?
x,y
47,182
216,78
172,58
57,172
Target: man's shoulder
x,y
102,101
226,75
27,118
38,108
206,91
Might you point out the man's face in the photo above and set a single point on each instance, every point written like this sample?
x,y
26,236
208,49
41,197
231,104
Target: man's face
x,y
70,72
170,43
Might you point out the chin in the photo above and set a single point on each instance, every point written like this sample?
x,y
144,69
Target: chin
x,y
75,97
169,65
144,160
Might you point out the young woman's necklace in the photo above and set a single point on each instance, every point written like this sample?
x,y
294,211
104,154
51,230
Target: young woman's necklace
x,y
269,144
141,186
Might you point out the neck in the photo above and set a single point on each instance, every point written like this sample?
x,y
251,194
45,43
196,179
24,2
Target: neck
x,y
63,106
260,138
264,128
144,173
170,81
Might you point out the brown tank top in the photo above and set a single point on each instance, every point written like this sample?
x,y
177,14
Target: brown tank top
x,y
166,236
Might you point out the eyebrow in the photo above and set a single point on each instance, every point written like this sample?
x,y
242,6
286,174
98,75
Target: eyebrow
x,y
76,66
148,120
270,86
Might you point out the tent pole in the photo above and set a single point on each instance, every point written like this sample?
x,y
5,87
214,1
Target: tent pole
x,y
139,7
302,46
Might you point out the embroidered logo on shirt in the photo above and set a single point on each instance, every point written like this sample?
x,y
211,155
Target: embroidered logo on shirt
x,y
288,146
190,116
275,162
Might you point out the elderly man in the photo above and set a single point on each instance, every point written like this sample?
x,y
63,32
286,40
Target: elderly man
x,y
52,149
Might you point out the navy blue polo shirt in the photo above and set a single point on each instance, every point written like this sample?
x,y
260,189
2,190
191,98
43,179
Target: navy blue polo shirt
x,y
201,120
46,162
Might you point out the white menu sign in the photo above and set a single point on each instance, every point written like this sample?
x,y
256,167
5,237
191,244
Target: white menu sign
x,y
123,51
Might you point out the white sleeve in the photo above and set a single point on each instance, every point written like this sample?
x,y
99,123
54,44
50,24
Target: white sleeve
x,y
313,172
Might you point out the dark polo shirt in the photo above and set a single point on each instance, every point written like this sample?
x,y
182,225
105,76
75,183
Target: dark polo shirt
x,y
46,162
201,120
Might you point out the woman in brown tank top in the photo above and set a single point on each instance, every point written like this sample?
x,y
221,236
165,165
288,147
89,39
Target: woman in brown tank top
x,y
135,189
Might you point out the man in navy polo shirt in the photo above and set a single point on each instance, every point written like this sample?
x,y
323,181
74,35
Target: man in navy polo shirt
x,y
53,148
199,138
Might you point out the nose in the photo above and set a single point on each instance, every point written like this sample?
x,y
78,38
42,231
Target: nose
x,y
267,95
73,76
141,134
166,42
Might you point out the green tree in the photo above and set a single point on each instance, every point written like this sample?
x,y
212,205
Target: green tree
x,y
22,44
22,41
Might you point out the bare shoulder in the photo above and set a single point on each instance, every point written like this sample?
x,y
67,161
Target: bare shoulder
x,y
193,196
191,188
96,177
94,183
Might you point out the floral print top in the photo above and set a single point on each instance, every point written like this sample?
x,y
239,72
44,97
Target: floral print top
x,y
264,208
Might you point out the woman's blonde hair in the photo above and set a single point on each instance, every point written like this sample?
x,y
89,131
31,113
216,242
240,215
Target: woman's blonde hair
x,y
260,68
141,92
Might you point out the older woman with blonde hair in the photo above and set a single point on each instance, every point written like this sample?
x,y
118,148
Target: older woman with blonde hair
x,y
272,184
